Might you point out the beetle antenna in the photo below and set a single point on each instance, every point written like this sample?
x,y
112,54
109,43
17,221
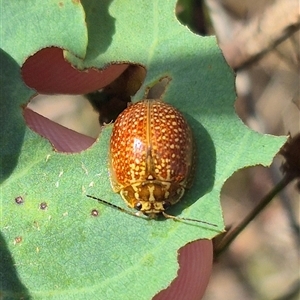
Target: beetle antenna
x,y
167,216
137,214
117,207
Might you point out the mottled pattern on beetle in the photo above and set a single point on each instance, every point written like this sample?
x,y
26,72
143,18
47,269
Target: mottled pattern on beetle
x,y
152,195
128,148
150,140
171,142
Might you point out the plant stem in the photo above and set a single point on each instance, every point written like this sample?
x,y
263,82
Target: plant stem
x,y
232,234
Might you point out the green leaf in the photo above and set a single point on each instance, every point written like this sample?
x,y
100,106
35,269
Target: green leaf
x,y
28,26
64,251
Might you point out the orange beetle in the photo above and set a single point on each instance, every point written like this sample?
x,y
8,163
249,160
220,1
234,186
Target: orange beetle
x,y
151,156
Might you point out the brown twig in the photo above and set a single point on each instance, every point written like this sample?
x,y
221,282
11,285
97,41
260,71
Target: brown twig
x,y
232,234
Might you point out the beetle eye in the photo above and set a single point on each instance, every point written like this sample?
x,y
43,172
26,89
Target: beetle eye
x,y
166,205
138,206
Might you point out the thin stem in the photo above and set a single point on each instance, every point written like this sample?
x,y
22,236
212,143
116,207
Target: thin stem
x,y
229,238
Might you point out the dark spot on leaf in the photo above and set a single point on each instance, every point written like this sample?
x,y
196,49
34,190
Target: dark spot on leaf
x,y
19,200
43,205
18,240
95,213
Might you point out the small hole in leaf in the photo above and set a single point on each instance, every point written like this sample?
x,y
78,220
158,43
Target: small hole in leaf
x,y
158,90
114,98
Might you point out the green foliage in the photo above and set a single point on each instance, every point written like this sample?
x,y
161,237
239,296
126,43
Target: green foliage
x,y
65,251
